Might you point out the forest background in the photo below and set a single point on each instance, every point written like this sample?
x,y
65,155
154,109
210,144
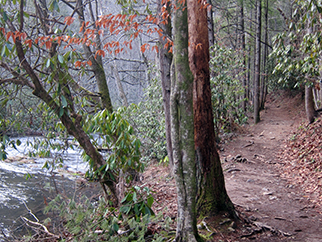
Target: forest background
x,y
66,65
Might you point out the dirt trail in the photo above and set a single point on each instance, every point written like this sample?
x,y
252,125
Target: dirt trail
x,y
253,180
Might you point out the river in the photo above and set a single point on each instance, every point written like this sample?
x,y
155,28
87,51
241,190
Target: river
x,y
18,194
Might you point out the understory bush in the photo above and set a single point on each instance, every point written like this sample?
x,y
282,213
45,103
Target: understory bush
x,y
227,87
97,221
148,121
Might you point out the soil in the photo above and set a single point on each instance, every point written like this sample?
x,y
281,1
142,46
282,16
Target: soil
x,y
270,206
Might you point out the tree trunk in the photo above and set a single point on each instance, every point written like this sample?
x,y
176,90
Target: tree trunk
x,y
264,79
165,60
309,104
212,196
243,43
210,21
182,128
97,63
119,85
257,63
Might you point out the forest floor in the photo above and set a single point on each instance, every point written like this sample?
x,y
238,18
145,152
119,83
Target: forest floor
x,y
265,179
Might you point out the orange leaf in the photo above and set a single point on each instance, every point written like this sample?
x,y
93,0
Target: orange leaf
x,y
8,35
82,28
28,42
69,20
48,44
199,46
78,64
155,48
89,63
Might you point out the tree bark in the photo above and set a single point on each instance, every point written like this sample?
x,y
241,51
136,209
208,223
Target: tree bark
x,y
257,63
182,128
97,63
212,196
309,104
165,60
243,43
69,118
210,21
119,85
264,79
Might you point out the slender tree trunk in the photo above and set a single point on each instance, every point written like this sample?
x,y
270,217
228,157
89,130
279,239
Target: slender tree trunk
x,y
119,85
264,79
257,63
249,61
243,42
182,128
309,104
71,122
97,63
210,21
165,60
212,195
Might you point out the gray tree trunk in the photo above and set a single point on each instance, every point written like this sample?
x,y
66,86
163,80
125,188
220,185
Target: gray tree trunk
x,y
119,85
243,43
97,63
257,63
264,79
182,127
165,60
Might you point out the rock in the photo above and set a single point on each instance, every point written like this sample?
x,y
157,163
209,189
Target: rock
x,y
267,193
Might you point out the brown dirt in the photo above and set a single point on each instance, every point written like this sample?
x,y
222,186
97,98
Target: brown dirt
x,y
272,207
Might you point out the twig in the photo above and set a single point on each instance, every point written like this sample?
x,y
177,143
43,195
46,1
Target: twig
x,y
29,210
40,225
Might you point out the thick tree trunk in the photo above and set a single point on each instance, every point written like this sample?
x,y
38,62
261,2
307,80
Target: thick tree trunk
x,y
212,195
165,60
309,104
257,63
182,128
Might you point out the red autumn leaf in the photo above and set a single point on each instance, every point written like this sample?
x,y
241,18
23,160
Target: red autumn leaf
x,y
69,20
28,42
78,64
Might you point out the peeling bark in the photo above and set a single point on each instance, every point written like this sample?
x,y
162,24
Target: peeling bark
x,y
212,196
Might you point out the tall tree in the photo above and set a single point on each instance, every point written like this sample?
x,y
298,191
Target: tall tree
x,y
212,195
257,62
182,127
165,60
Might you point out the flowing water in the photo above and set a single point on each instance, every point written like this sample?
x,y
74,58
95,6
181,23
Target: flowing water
x,y
18,195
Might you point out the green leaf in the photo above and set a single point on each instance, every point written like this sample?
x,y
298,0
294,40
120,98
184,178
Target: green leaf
x,y
3,51
5,16
61,112
48,63
115,227
61,59
150,201
63,102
